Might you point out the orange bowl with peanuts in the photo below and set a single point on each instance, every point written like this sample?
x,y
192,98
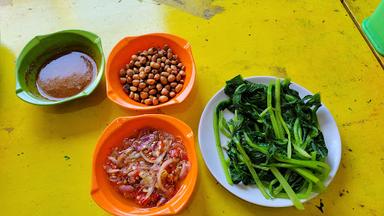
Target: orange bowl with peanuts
x,y
150,71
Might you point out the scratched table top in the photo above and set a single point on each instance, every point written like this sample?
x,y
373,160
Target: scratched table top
x,y
46,152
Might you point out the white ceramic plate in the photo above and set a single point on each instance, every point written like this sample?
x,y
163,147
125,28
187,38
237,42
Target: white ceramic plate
x,y
252,193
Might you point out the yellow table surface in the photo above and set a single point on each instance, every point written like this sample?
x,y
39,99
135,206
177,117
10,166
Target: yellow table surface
x,y
314,42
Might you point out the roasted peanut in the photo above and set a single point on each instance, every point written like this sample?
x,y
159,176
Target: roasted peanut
x,y
142,75
178,88
171,78
156,65
135,82
123,72
163,98
166,74
148,101
136,97
147,69
123,80
133,88
163,80
151,81
130,72
182,73
131,94
142,85
143,95
172,94
173,84
159,86
137,63
164,91
136,77
156,77
178,77
152,92
155,101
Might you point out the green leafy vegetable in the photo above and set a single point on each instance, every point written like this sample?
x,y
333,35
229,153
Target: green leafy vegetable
x,y
274,137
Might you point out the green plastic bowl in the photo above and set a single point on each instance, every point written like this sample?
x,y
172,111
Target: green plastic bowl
x,y
373,27
42,49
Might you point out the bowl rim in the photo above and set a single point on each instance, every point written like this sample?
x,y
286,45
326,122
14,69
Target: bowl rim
x,y
34,42
169,208
133,105
224,184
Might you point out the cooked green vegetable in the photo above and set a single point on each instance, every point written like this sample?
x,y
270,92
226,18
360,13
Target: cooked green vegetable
x,y
274,137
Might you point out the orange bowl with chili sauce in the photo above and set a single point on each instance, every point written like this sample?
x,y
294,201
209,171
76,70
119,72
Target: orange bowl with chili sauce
x,y
104,193
121,55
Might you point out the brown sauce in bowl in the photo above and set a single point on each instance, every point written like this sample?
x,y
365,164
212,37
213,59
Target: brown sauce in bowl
x,y
66,75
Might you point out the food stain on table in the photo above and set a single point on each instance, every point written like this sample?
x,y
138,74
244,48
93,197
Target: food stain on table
x,y
201,8
9,129
320,206
66,75
5,2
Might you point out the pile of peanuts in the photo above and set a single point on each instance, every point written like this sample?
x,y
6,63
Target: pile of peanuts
x,y
153,76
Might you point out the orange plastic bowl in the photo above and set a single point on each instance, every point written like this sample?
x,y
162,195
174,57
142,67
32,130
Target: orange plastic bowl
x,y
121,55
102,190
